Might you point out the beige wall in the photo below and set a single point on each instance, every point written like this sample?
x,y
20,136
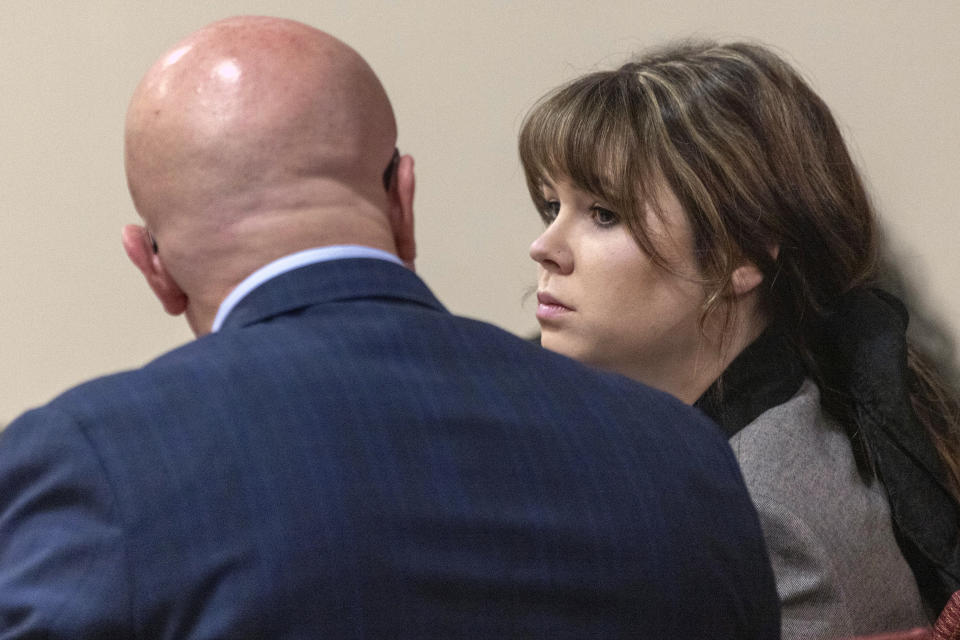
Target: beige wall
x,y
461,75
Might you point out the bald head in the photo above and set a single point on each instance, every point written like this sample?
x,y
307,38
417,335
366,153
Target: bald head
x,y
253,138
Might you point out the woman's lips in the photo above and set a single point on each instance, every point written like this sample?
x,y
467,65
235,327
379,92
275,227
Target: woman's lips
x,y
549,308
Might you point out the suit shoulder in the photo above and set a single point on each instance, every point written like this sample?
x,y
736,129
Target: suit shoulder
x,y
132,387
797,440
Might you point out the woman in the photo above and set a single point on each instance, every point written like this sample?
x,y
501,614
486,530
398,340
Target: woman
x,y
708,234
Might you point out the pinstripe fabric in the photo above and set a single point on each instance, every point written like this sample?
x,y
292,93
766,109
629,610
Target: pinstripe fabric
x,y
346,459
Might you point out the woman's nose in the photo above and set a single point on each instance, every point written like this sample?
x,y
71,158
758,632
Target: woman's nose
x,y
551,251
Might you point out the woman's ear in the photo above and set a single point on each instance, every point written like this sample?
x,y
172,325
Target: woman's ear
x,y
745,278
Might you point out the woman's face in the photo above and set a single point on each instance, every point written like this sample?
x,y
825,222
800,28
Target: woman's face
x,y
603,301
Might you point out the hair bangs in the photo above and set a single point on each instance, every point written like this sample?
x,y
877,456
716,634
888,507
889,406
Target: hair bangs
x,y
576,134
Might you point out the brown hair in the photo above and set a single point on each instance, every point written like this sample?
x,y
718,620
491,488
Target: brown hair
x,y
756,160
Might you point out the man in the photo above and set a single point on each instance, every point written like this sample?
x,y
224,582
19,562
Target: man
x,y
336,455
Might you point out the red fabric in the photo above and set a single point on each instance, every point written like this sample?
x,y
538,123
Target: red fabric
x,y
948,623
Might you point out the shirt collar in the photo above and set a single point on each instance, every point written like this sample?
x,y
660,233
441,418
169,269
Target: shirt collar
x,y
289,263
765,374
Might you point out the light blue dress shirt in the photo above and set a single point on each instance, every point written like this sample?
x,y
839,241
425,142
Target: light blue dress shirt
x,y
291,262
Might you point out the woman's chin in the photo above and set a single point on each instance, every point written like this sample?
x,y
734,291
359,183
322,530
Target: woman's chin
x,y
566,345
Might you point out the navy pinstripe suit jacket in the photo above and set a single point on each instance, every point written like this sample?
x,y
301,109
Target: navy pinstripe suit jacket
x,y
345,459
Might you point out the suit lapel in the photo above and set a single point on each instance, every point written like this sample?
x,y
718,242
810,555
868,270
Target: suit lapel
x,y
331,281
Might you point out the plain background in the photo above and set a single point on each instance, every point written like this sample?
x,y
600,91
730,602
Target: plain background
x,y
461,75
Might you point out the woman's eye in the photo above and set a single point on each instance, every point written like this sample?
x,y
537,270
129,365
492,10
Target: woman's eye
x,y
604,217
551,209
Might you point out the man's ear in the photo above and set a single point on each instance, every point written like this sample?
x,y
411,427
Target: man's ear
x,y
401,210
139,247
